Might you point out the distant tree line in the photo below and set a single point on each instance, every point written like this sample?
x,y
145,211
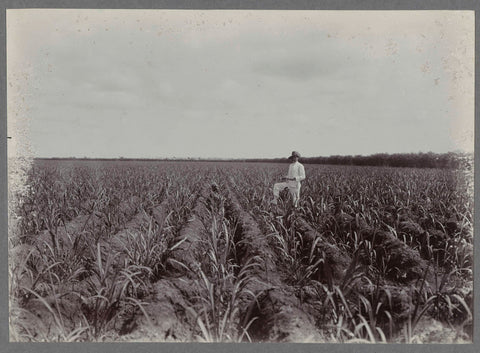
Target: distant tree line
x,y
455,160
407,160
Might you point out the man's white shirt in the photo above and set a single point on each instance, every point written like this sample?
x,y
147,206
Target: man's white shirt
x,y
297,171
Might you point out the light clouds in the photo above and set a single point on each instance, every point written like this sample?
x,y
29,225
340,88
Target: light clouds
x,y
236,84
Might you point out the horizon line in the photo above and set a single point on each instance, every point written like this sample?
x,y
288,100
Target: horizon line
x,y
253,158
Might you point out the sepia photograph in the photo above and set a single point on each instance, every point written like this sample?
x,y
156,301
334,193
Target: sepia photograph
x,y
264,176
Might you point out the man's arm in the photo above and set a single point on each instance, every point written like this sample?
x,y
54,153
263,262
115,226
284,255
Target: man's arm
x,y
301,172
289,174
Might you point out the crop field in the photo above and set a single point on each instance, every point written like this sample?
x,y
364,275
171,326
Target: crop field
x,y
193,251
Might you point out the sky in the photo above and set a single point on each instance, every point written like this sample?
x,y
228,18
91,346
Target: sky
x,y
238,83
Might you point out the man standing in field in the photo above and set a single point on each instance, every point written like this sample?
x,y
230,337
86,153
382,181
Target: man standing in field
x,y
296,173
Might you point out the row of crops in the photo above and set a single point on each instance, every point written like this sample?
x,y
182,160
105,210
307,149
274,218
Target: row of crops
x,y
379,248
187,251
88,242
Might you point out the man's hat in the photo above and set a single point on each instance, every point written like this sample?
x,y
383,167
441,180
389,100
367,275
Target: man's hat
x,y
294,154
